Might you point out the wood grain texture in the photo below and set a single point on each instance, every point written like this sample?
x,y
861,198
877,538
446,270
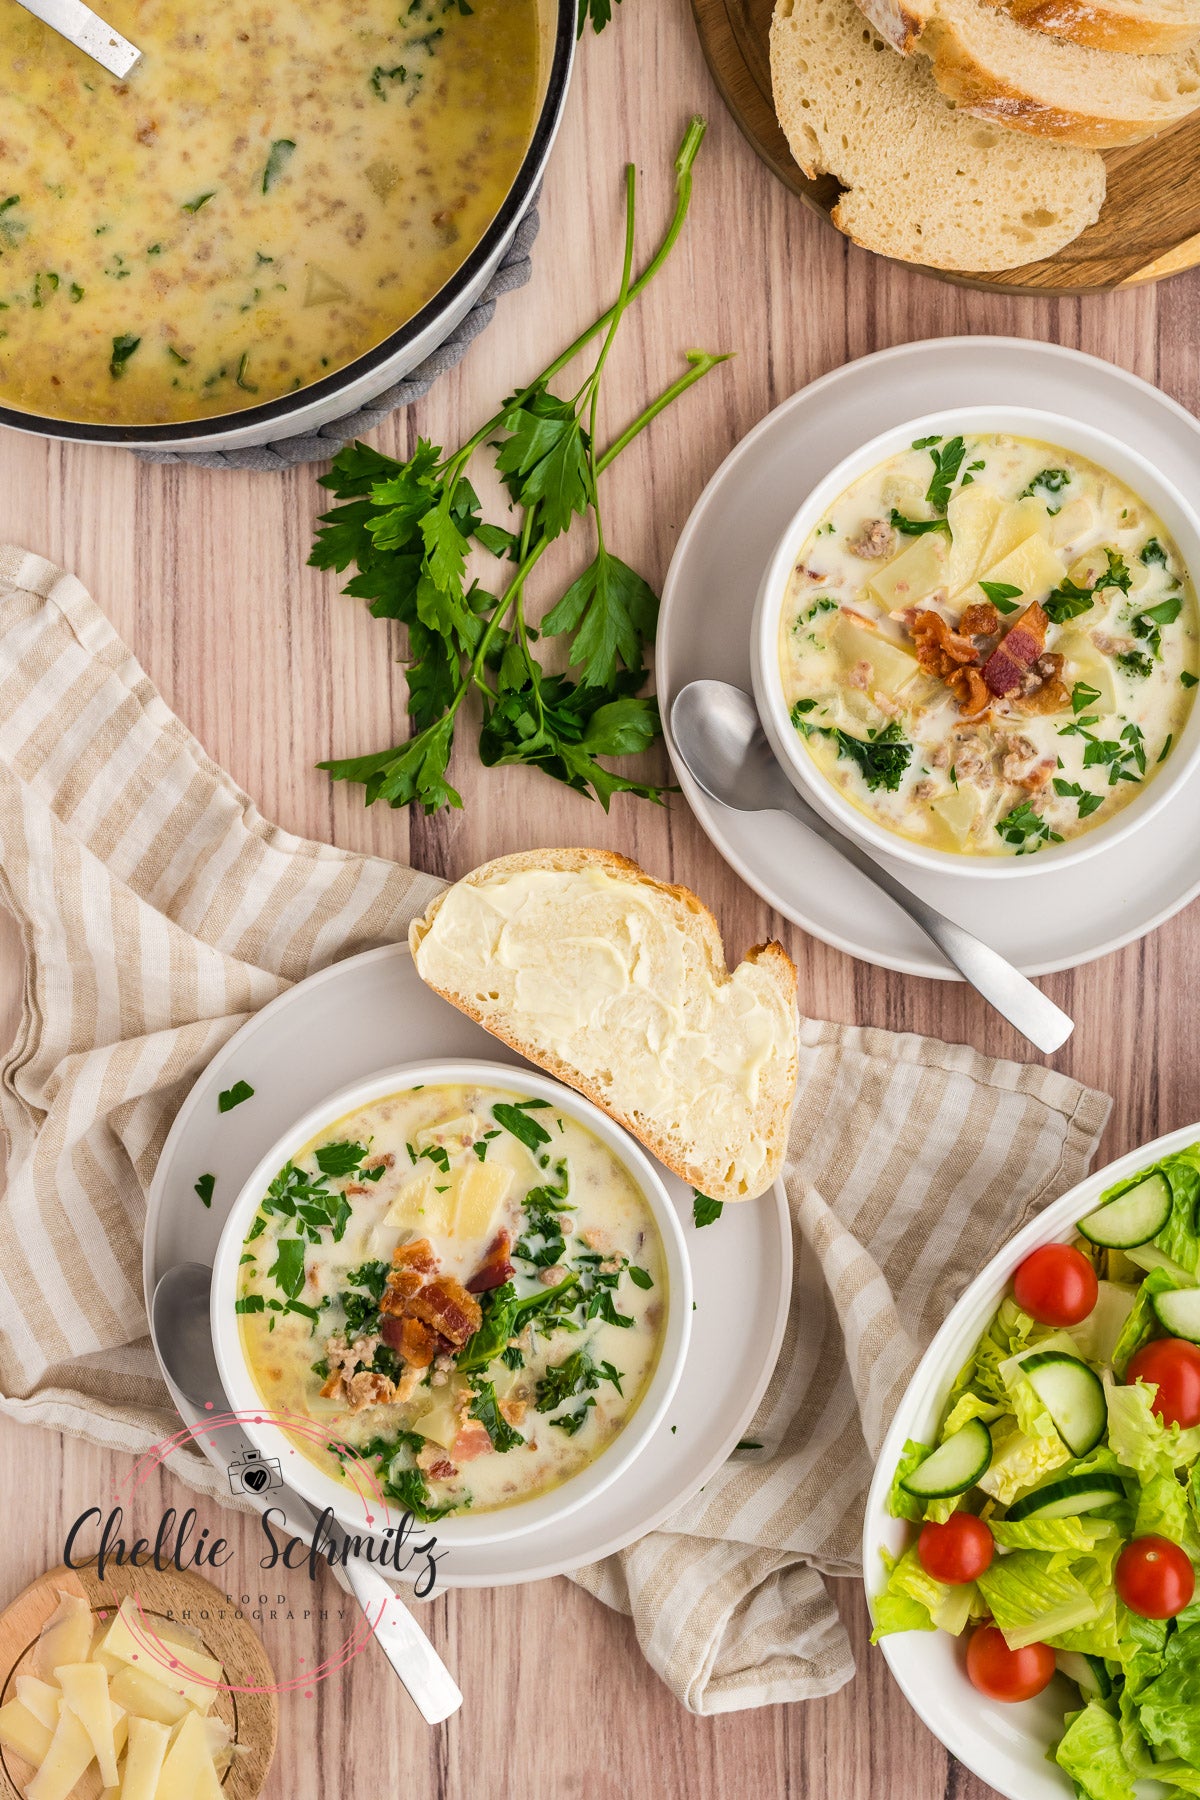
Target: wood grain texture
x,y
203,574
1149,228
252,1714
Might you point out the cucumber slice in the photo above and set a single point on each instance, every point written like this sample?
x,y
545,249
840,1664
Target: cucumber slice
x,y
1178,1312
1072,1394
1134,1218
1067,1498
954,1466
1087,1672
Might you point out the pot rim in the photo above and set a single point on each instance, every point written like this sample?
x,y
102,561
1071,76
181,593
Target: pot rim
x,y
194,432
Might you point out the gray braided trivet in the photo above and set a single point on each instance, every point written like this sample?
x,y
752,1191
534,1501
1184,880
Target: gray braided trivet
x,y
320,445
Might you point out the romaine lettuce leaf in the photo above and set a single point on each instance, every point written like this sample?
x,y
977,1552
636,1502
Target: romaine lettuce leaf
x,y
1162,1509
1168,1708
1032,1601
1093,1756
970,1405
1178,1237
930,1603
1075,1536
1139,1438
900,1503
1019,1462
1097,1336
1142,1321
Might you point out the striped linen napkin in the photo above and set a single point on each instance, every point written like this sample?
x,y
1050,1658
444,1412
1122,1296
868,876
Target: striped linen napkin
x,y
158,910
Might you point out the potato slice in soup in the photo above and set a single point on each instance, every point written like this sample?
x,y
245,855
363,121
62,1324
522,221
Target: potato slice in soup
x,y
1018,520
972,516
891,667
909,577
1083,662
957,811
1033,567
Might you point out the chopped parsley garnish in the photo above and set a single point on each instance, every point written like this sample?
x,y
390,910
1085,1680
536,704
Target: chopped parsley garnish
x,y
1153,552
12,230
247,387
1187,679
1083,696
123,348
205,1187
640,1277
515,1118
1067,602
916,527
1002,594
947,461
1148,625
1071,790
1124,758
1025,828
1136,662
278,157
234,1096
193,206
250,1303
704,1210
379,75
288,1268
573,1422
341,1158
293,1194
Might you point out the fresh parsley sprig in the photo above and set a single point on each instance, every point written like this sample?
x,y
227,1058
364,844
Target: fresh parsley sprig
x,y
409,527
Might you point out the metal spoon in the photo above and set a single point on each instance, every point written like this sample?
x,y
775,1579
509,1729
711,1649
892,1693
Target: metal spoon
x,y
88,32
719,737
179,1321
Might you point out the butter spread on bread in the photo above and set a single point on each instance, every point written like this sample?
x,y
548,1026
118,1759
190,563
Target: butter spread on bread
x,y
617,984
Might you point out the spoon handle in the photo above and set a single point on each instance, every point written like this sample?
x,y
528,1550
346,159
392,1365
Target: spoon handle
x,y
89,33
421,1670
1011,993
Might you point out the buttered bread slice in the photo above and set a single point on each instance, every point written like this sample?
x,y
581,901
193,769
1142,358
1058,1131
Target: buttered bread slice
x,y
617,984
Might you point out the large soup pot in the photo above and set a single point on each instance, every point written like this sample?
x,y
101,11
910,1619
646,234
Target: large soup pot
x,y
355,385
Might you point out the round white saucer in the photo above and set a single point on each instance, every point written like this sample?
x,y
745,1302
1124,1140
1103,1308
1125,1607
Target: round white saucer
x,y
371,1011
1052,922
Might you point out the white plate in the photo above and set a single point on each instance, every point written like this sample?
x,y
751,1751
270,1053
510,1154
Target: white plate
x,y
1004,1745
1067,917
371,1011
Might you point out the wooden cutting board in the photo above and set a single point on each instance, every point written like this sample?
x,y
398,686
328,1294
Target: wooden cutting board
x,y
170,1595
1150,225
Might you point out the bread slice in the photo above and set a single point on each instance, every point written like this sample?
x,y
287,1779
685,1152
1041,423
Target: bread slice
x,y
1130,27
988,64
617,984
922,182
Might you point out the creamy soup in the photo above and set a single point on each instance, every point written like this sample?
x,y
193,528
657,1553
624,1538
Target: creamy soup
x,y
461,1286
272,192
989,645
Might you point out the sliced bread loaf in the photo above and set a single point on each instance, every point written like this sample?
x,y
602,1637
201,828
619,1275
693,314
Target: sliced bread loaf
x,y
988,64
1131,27
922,182
617,984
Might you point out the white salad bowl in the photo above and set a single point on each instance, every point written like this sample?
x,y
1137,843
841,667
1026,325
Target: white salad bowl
x,y
1004,1744
1178,515
522,1516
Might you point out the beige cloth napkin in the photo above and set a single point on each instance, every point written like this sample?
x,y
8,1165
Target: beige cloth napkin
x,y
158,910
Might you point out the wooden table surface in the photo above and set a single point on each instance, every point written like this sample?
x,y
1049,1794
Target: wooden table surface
x,y
203,574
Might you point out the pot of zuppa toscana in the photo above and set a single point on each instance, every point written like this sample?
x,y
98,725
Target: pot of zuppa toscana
x,y
274,218
978,643
459,1286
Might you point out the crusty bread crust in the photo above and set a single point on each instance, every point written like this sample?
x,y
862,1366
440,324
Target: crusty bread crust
x,y
1126,26
771,956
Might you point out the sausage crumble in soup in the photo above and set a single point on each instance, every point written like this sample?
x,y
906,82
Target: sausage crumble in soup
x,y
989,644
465,1287
270,193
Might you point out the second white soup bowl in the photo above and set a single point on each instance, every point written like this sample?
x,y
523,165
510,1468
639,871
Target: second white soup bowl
x,y
1177,514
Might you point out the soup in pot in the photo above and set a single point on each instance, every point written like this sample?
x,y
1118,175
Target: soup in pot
x,y
272,192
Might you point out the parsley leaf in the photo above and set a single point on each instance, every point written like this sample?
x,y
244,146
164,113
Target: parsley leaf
x,y
122,349
1047,481
598,11
339,1159
1026,829
486,1408
1002,594
517,1120
947,461
278,157
917,527
234,1096
288,1267
1067,602
205,1187
881,760
1153,552
407,529
704,1210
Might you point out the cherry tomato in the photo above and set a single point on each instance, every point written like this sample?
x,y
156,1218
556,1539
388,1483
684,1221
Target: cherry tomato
x,y
1056,1285
1004,1674
958,1550
1155,1578
1172,1365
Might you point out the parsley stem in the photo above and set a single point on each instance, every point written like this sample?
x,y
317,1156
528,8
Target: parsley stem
x,y
685,159
699,364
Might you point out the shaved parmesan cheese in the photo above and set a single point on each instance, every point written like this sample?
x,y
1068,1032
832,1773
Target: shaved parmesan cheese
x,y
43,1699
70,1753
66,1637
21,1731
85,1690
144,1760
